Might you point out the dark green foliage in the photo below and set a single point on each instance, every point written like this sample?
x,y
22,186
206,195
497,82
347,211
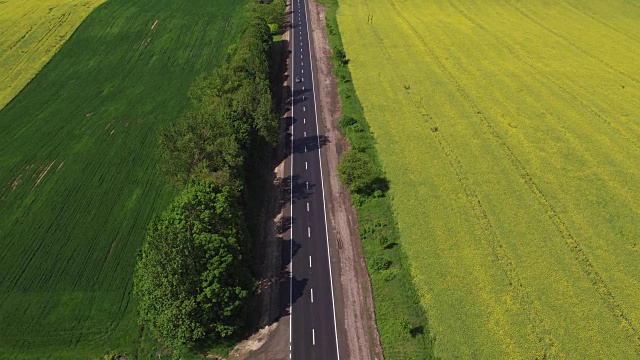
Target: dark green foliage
x,y
379,263
191,280
272,11
405,325
357,172
199,144
346,121
383,240
232,108
340,57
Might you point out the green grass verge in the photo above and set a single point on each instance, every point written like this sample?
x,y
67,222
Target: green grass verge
x,y
402,322
78,175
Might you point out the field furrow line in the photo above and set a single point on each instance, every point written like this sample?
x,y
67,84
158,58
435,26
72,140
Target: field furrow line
x,y
584,104
548,345
630,140
579,254
605,24
572,44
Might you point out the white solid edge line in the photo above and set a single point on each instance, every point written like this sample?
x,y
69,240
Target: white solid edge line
x,y
324,206
293,45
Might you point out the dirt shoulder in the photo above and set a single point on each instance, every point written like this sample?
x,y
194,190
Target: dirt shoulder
x,y
359,338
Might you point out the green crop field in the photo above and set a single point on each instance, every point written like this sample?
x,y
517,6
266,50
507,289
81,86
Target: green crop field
x,y
78,175
510,135
31,31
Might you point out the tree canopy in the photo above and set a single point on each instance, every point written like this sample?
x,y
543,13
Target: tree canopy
x,y
232,107
190,279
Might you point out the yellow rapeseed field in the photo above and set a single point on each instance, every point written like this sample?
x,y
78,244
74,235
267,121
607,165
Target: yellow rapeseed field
x,y
31,31
510,134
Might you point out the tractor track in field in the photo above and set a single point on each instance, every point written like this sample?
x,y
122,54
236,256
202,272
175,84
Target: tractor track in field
x,y
585,105
547,344
572,244
608,124
571,43
605,24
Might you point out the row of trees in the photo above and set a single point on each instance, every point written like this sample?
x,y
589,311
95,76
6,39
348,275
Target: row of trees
x,y
232,110
193,279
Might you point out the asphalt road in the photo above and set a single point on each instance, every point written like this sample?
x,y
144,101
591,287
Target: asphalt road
x,y
311,298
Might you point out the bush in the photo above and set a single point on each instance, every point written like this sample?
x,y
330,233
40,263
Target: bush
x,y
380,263
347,121
383,240
340,57
360,141
357,173
389,275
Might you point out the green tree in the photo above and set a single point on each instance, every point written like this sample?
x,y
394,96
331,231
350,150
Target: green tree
x,y
356,172
190,279
199,144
